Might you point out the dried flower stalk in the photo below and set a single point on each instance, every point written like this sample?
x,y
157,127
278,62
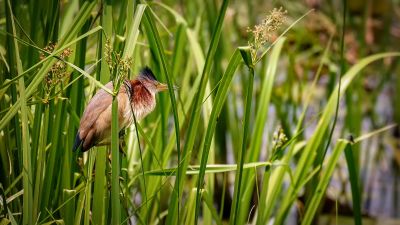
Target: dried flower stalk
x,y
263,32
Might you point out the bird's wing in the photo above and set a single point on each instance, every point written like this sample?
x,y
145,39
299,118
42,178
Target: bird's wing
x,y
100,102
97,116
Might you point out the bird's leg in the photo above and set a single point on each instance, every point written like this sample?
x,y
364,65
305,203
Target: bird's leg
x,y
122,143
121,133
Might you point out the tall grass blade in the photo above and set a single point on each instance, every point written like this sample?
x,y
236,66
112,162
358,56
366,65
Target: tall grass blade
x,y
100,192
278,174
115,168
235,211
157,48
259,125
27,212
173,211
88,189
209,202
323,183
133,32
346,146
354,183
216,110
210,168
312,147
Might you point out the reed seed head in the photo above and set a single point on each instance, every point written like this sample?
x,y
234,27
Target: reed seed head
x,y
279,138
263,32
118,65
58,72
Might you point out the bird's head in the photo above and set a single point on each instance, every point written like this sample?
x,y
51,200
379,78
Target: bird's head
x,y
147,78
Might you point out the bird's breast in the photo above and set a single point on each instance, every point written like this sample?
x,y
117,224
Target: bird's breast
x,y
142,102
141,109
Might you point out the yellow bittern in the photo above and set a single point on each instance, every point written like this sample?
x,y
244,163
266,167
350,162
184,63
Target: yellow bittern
x,y
135,96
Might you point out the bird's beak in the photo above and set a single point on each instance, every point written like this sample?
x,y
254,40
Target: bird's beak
x,y
162,87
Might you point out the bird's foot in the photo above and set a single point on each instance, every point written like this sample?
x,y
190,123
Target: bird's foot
x,y
121,134
122,145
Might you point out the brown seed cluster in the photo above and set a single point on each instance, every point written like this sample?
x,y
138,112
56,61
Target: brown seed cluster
x,y
58,72
263,32
108,55
118,66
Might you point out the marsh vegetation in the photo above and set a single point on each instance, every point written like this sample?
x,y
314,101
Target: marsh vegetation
x,y
286,112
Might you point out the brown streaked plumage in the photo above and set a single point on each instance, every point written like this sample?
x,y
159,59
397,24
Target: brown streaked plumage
x,y
136,95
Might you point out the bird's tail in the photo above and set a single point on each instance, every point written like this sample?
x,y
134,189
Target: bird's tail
x,y
78,142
